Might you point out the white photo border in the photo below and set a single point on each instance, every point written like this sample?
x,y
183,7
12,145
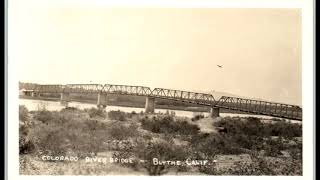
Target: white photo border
x,y
307,8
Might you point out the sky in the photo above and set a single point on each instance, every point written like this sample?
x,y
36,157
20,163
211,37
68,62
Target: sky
x,y
259,49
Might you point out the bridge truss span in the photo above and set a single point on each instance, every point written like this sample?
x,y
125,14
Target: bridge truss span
x,y
52,88
260,107
126,90
83,88
249,106
184,96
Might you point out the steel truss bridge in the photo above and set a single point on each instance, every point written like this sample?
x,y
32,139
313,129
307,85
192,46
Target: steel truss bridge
x,y
244,105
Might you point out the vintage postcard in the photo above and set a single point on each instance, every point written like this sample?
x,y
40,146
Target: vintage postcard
x,y
159,91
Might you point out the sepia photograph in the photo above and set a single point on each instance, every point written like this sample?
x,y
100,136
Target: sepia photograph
x,y
159,91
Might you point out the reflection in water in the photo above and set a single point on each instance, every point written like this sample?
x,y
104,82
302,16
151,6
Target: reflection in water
x,y
34,105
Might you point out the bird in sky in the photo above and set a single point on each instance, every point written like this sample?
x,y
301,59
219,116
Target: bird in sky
x,y
219,66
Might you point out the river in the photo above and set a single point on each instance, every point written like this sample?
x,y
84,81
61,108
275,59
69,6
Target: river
x,y
34,105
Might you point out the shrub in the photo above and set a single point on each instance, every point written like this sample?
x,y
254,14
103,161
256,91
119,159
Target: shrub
x,y
44,116
94,112
252,126
285,129
92,125
258,167
296,152
52,141
147,150
273,147
75,136
117,115
209,145
64,132
163,151
251,134
278,166
72,109
23,114
25,145
121,132
167,124
197,117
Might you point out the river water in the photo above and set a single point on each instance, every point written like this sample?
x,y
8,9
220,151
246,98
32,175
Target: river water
x,y
34,105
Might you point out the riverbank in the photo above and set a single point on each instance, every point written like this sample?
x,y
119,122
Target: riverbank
x,y
89,142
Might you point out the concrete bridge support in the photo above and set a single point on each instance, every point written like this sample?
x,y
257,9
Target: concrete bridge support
x,y
150,104
34,94
102,101
65,99
214,112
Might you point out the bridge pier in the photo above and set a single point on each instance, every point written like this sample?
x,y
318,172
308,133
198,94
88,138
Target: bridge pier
x,y
65,99
150,104
102,101
214,112
34,94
